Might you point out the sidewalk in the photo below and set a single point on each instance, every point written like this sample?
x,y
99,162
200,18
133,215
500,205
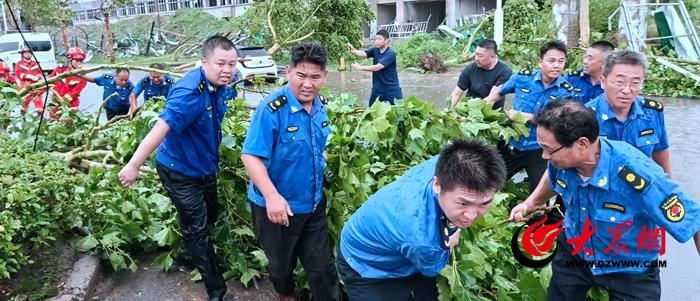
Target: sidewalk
x,y
150,283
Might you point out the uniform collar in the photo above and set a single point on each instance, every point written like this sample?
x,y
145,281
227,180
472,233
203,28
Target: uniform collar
x,y
209,87
557,81
605,112
295,105
601,174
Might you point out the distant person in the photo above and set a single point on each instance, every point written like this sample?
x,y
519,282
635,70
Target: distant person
x,y
120,84
28,72
152,85
587,80
385,77
486,73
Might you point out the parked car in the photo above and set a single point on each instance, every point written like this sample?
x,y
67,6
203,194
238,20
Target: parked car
x,y
40,43
253,60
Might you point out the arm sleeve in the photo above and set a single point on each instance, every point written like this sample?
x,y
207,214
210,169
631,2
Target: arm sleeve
x,y
464,81
102,80
370,52
429,260
509,86
75,91
262,133
181,109
18,72
138,89
668,206
663,137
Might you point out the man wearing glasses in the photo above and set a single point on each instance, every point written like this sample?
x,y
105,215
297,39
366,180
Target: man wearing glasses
x,y
624,115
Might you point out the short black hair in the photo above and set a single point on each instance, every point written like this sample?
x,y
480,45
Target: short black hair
x,y
568,120
555,44
470,164
215,42
383,33
488,44
120,70
158,66
313,53
603,45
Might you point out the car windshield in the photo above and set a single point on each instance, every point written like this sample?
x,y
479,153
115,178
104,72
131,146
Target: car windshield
x,y
252,52
9,46
39,45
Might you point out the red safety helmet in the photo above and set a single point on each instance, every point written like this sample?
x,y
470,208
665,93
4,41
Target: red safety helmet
x,y
75,53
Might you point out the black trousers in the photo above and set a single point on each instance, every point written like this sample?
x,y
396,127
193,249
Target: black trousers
x,y
517,160
415,287
113,113
306,239
571,282
196,202
383,98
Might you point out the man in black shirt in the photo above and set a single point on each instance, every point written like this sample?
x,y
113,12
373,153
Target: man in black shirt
x,y
482,75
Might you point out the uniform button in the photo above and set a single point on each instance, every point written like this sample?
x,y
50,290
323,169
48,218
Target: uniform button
x,y
612,219
294,138
583,208
648,142
171,165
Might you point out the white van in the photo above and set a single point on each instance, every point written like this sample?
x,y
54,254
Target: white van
x,y
40,43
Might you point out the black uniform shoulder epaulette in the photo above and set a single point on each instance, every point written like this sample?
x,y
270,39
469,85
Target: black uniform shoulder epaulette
x,y
277,103
567,86
202,85
129,86
169,80
525,72
145,80
323,99
636,181
107,76
576,73
653,104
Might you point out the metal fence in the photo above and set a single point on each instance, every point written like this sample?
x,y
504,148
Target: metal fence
x,y
405,30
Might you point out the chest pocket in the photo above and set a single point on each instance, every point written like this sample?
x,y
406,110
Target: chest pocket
x,y
204,123
524,99
611,212
293,144
646,137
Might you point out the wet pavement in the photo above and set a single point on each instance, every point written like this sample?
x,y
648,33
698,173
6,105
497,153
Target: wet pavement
x,y
678,281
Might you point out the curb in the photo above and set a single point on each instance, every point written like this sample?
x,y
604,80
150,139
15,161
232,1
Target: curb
x,y
81,280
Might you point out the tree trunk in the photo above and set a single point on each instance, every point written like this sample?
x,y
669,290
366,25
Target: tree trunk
x,y
64,35
110,38
584,23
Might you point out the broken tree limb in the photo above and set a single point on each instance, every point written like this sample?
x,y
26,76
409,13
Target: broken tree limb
x,y
42,85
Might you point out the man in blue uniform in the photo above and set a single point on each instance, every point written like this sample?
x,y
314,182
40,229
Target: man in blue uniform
x,y
188,157
385,77
586,81
283,154
152,85
401,238
118,83
533,90
626,116
620,205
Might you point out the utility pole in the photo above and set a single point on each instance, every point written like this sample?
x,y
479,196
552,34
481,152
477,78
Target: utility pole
x,y
4,18
498,23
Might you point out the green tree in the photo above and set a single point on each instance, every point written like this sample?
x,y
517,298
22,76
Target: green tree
x,y
44,12
107,8
282,23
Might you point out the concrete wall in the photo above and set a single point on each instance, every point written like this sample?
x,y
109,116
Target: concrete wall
x,y
470,7
419,11
386,13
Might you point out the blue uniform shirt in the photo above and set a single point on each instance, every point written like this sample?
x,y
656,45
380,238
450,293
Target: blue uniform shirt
x,y
397,231
584,89
152,90
194,111
625,186
386,81
121,100
530,97
291,142
644,127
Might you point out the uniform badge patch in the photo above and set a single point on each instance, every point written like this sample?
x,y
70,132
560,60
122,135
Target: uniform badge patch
x,y
646,132
525,90
561,183
324,124
209,108
525,72
654,104
552,97
567,86
578,89
614,206
292,129
632,178
673,208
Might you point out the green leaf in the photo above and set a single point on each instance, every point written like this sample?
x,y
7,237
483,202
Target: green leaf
x,y
415,134
164,261
87,243
117,261
164,237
